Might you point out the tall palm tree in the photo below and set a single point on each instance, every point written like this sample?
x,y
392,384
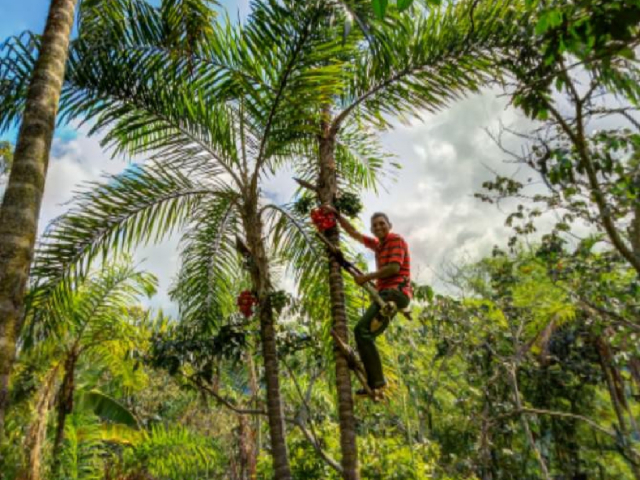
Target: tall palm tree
x,y
409,64
35,98
215,122
23,196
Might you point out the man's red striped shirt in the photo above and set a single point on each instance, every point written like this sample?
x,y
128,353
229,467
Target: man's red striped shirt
x,y
393,249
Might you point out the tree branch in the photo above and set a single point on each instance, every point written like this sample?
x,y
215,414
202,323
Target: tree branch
x,y
578,140
553,413
330,461
221,400
307,185
248,411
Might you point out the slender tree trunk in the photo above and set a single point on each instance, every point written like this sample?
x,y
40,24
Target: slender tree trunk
x,y
525,423
328,186
38,429
618,383
23,197
255,402
604,357
634,229
484,448
65,407
262,283
634,370
246,443
255,426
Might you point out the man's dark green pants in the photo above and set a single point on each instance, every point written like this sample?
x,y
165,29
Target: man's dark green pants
x,y
366,338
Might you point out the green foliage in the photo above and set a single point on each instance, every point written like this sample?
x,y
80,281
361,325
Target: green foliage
x,y
279,300
349,204
541,341
404,4
422,293
107,408
82,449
517,314
393,458
303,206
570,56
140,205
598,35
180,349
379,8
400,78
172,453
93,312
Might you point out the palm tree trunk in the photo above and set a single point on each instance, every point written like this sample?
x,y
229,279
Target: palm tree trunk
x,y
327,189
38,429
261,280
65,407
23,196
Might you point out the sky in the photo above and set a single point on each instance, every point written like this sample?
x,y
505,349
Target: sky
x,y
445,158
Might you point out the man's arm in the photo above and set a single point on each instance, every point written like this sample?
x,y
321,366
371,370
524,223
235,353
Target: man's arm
x,y
385,272
346,225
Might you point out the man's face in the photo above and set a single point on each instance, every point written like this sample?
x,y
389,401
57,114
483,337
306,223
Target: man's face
x,y
380,227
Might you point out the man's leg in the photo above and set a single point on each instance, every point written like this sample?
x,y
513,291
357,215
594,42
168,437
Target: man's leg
x,y
367,347
370,326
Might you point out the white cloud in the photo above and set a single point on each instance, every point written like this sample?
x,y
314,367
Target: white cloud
x,y
445,158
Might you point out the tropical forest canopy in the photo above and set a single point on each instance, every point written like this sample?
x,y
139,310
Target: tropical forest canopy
x,y
526,366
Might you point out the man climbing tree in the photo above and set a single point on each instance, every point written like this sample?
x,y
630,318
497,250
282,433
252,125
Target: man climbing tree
x,y
393,282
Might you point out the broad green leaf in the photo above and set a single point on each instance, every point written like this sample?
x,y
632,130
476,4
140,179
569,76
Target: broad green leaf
x,y
404,4
108,408
380,8
549,19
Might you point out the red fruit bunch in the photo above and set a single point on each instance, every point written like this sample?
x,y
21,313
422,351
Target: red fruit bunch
x,y
246,301
323,219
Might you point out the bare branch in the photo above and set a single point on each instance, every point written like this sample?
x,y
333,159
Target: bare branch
x,y
248,411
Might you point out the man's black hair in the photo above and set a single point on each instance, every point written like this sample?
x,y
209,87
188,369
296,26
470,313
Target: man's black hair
x,y
380,214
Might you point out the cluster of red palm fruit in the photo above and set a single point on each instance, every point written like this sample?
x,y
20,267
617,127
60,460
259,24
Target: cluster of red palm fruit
x,y
246,301
323,219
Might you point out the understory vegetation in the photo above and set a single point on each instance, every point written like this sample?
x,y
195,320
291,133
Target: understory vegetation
x,y
522,364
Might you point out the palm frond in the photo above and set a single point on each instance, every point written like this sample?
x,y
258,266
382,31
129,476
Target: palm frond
x,y
205,287
149,107
94,311
141,205
17,60
361,160
426,61
174,453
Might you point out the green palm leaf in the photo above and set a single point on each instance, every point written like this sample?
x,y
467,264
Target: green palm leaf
x,y
107,408
205,287
423,62
142,204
